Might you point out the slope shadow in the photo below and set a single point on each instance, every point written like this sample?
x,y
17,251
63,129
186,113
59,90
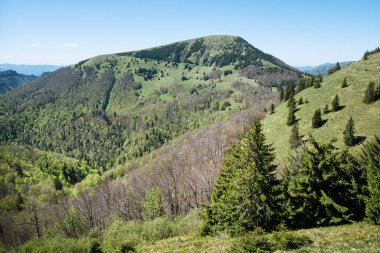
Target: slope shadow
x,y
360,139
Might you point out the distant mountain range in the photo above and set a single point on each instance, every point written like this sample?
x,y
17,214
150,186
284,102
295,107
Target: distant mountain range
x,y
323,68
10,79
36,70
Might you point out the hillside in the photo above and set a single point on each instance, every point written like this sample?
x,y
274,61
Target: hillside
x,y
113,108
323,68
25,69
366,117
11,79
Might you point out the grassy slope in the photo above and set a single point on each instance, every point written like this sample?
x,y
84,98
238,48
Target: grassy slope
x,y
358,237
366,117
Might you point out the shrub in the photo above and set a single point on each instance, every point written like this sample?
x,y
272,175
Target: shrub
x,y
252,242
286,240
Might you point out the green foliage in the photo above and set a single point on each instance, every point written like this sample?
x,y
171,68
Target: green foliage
x,y
368,53
152,204
95,247
322,186
295,137
74,224
316,121
291,115
370,159
252,242
56,244
349,133
369,94
335,106
245,194
344,83
271,109
258,241
334,69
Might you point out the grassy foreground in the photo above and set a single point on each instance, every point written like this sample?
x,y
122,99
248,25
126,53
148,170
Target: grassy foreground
x,y
359,237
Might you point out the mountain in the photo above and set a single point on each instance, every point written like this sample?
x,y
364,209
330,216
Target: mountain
x,y
323,68
366,116
10,79
113,108
36,70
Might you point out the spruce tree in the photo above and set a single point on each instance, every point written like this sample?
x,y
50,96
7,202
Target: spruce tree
x,y
295,137
371,160
322,186
326,109
300,101
316,121
335,106
291,115
369,94
349,133
271,109
282,94
344,83
245,195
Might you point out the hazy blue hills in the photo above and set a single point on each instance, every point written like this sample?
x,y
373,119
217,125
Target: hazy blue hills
x,y
36,70
322,69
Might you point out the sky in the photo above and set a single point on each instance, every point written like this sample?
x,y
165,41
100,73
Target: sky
x,y
299,32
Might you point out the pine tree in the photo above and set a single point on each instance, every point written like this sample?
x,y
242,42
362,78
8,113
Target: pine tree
x,y
316,121
322,186
344,83
290,102
295,137
282,94
271,110
337,66
300,101
369,94
335,106
291,115
349,133
326,109
370,158
245,195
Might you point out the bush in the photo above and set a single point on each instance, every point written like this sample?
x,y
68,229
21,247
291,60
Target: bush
x,y
252,242
57,244
286,240
258,241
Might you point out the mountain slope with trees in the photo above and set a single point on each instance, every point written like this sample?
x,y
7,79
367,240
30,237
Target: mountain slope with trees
x,y
10,79
351,103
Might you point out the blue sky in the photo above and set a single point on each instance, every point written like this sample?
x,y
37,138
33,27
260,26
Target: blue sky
x,y
301,33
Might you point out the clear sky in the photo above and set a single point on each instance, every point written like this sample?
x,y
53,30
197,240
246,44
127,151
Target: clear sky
x,y
307,32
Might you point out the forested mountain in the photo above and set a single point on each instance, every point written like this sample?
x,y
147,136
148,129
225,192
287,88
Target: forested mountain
x,y
323,68
196,139
25,69
11,79
112,108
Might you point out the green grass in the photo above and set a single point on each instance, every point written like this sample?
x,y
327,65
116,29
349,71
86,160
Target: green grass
x,y
366,117
359,237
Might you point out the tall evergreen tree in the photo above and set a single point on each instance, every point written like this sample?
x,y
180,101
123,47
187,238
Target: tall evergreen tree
x,y
300,101
369,94
291,115
371,160
282,94
246,192
271,109
295,137
349,133
316,121
326,109
335,104
344,83
322,186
